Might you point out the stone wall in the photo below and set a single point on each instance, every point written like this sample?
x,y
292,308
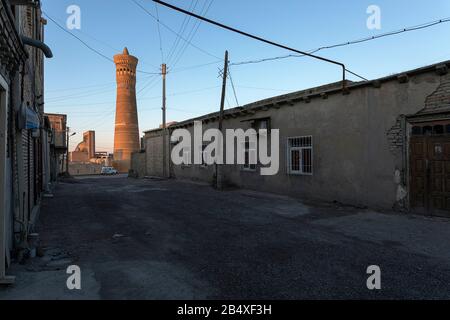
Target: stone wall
x,y
359,141
82,169
154,154
138,165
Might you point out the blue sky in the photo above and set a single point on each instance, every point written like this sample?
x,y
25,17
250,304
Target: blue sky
x,y
81,84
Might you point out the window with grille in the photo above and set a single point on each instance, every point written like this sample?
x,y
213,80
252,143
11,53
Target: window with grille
x,y
300,155
250,156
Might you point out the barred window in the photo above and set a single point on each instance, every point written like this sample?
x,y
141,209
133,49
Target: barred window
x,y
300,155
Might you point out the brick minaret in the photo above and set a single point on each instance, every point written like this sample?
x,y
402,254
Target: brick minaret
x,y
126,136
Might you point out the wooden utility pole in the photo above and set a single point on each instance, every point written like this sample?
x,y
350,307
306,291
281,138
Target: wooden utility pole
x,y
164,72
219,177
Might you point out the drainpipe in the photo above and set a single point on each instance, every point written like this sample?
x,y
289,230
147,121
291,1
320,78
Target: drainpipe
x,y
37,44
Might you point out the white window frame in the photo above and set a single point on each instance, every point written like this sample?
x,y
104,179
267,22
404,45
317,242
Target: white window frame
x,y
289,150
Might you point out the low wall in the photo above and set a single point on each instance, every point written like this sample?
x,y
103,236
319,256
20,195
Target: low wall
x,y
81,169
138,166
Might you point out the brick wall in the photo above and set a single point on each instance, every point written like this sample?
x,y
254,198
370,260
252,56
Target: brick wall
x,y
395,136
441,97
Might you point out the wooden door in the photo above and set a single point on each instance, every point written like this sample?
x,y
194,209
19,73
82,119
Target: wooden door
x,y
439,175
418,178
430,175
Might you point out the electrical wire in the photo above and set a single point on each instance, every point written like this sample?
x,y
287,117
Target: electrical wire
x,y
196,66
183,27
267,89
232,86
347,43
78,95
254,37
106,84
78,38
86,44
159,34
176,52
171,30
193,32
149,86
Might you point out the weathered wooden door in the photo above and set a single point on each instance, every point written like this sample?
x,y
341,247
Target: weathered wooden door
x,y
430,175
418,177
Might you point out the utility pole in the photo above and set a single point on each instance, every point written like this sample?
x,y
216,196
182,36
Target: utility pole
x,y
164,72
219,178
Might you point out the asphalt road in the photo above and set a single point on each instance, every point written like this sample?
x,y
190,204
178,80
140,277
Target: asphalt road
x,y
149,239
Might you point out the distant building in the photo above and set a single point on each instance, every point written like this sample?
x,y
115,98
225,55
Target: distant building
x,y
58,143
383,144
126,135
85,150
104,158
85,160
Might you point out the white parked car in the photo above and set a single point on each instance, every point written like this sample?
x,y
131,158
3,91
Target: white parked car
x,y
109,171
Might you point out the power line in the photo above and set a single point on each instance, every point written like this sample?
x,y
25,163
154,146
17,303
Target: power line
x,y
347,43
86,44
196,66
152,84
144,84
78,95
81,91
181,31
184,92
143,98
107,84
246,34
97,119
103,43
232,86
159,34
191,112
171,30
176,52
79,39
267,89
194,30
100,120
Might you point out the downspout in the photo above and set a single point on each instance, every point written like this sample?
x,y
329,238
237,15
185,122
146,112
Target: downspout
x,y
37,44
